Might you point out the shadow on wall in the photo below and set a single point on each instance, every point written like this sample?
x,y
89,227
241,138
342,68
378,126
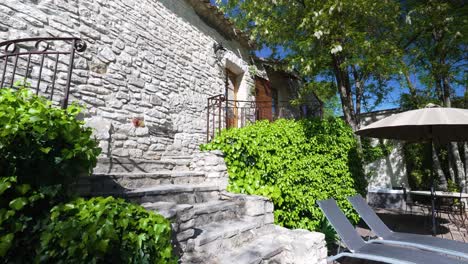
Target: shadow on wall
x,y
206,27
388,172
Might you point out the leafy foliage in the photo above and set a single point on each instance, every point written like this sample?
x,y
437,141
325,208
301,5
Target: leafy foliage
x,y
350,44
295,163
47,148
105,230
418,161
41,144
22,217
373,153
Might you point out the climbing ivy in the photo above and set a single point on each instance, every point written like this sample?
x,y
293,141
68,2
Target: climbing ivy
x,y
295,163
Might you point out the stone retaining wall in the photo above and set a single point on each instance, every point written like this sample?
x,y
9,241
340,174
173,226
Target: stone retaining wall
x,y
212,164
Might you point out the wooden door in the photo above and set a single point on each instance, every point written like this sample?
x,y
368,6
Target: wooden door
x,y
232,87
263,99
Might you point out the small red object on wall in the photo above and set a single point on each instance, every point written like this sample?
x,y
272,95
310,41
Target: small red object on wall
x,y
138,122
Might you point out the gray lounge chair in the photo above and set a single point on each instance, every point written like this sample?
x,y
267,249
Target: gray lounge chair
x,y
376,252
387,236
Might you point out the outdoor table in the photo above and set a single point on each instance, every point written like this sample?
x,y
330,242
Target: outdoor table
x,y
446,195
440,194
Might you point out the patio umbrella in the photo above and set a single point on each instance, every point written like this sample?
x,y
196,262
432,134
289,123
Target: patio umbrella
x,y
434,124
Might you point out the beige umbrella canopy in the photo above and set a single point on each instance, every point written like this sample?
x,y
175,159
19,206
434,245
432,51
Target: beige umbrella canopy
x,y
434,124
441,125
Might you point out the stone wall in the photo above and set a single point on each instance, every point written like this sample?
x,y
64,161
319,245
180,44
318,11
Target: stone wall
x,y
151,60
212,164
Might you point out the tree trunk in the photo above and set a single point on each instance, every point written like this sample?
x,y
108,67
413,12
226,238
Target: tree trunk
x,y
465,147
439,91
411,88
451,163
358,82
442,181
344,89
455,162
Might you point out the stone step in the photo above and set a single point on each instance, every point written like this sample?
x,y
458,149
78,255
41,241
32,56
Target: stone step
x,y
185,216
216,211
179,194
262,249
280,245
185,157
225,235
182,159
112,181
122,165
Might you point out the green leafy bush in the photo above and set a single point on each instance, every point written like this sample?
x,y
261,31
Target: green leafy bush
x,y
23,213
374,153
42,144
295,163
105,230
418,161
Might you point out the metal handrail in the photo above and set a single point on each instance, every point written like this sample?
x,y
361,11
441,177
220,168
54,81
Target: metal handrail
x,y
220,112
12,50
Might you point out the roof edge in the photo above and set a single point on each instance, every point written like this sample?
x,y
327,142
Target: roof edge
x,y
216,19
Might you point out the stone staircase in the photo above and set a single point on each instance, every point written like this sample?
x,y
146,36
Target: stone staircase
x,y
210,225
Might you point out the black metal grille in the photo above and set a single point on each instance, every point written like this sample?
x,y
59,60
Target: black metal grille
x,y
222,113
42,64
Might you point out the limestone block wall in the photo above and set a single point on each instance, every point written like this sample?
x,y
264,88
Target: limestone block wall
x,y
212,164
151,60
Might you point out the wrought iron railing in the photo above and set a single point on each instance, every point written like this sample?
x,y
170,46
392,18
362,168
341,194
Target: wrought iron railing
x,y
222,113
42,64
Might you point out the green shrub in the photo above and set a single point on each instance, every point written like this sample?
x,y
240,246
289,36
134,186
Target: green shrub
x,y
105,230
42,144
374,153
295,163
418,161
23,213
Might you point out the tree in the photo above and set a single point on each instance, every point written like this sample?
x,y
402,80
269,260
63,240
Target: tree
x,y
352,41
435,49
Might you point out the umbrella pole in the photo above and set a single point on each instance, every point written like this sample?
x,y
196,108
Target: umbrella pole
x,y
434,228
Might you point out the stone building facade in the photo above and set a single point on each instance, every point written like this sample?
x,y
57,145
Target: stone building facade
x,y
148,60
150,63
145,78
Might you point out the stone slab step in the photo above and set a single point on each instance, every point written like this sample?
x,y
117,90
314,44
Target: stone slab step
x,y
112,181
184,157
226,235
180,194
260,250
201,213
169,210
116,165
180,161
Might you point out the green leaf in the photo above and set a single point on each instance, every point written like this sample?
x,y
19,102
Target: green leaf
x,y
5,243
18,203
45,150
23,188
4,185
